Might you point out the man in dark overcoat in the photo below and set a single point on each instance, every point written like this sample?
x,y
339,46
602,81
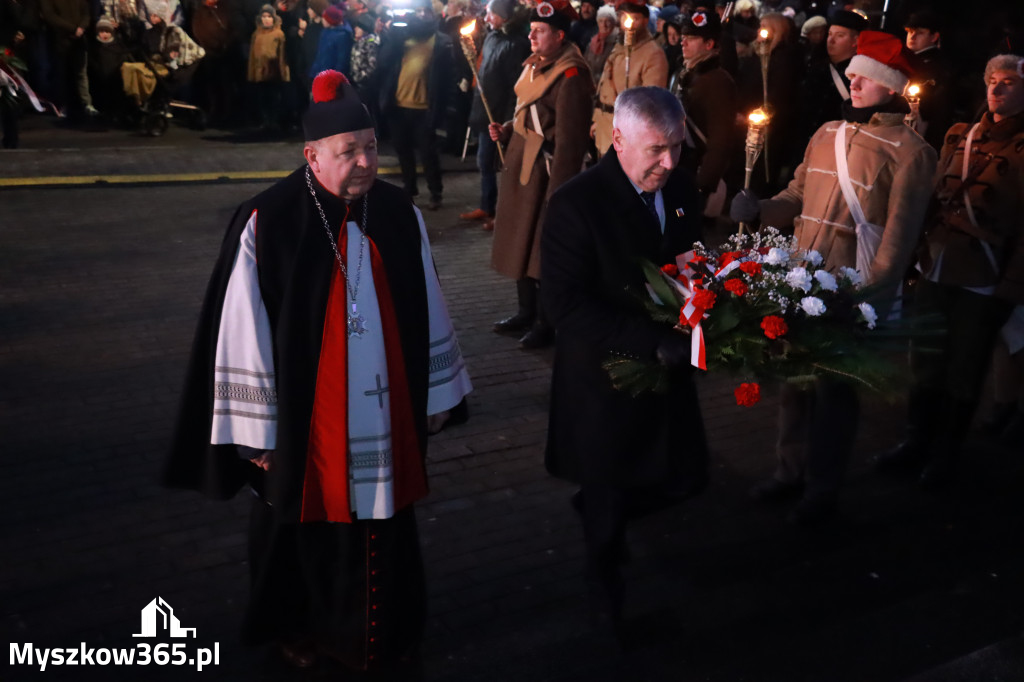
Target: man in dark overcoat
x,y
630,454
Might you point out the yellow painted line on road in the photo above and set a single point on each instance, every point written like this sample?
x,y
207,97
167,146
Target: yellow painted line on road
x,y
154,178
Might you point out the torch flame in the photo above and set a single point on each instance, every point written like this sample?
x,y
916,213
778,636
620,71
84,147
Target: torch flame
x,y
914,90
763,33
627,23
758,117
468,29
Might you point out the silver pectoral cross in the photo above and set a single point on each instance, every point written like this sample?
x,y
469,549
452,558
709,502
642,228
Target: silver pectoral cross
x,y
356,323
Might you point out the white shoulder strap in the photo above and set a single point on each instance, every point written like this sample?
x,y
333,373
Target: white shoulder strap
x,y
869,236
844,92
967,197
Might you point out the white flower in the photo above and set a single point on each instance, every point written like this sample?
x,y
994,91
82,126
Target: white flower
x,y
812,305
814,258
854,277
826,280
776,257
870,316
799,279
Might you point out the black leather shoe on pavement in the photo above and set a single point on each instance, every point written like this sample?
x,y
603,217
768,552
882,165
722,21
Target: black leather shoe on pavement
x,y
519,322
539,336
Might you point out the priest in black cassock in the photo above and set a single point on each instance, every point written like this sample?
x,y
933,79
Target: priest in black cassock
x,y
324,355
631,455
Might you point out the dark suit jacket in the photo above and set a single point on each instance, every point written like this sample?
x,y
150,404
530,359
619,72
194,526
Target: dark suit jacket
x,y
596,232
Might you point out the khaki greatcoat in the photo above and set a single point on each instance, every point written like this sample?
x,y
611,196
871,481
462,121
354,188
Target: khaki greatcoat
x,y
648,65
891,168
562,89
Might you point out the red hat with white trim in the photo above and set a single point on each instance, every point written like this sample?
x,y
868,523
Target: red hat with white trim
x,y
882,58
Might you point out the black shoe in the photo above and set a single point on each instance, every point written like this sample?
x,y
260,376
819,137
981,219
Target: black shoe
x,y
811,512
519,322
910,455
774,490
434,204
539,336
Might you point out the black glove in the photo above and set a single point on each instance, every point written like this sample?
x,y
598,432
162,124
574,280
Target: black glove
x,y
745,207
673,351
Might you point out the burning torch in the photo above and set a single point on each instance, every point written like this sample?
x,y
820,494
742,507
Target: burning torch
x,y
757,125
628,39
469,49
913,95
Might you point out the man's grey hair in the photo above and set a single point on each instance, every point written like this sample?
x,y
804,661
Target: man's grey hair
x,y
653,106
1004,62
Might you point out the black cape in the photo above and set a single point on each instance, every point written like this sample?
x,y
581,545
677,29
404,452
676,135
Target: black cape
x,y
356,589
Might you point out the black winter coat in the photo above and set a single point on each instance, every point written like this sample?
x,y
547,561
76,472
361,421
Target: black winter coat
x,y
596,231
501,62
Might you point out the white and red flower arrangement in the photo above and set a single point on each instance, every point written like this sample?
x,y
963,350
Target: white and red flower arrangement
x,y
766,310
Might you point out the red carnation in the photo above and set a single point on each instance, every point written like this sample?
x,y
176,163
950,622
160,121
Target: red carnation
x,y
704,299
728,257
774,326
326,85
696,260
8,52
747,395
751,268
670,270
736,286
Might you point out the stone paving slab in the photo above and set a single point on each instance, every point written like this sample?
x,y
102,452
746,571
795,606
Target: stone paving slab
x,y
99,291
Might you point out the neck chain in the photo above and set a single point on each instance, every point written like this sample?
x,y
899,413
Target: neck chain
x,y
356,323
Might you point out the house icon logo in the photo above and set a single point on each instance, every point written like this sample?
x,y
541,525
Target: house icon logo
x,y
158,618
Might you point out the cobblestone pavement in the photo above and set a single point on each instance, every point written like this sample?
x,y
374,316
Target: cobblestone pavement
x,y
99,291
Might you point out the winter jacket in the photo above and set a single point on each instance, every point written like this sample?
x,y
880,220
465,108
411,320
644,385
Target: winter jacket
x,y
501,61
997,200
648,65
267,63
891,168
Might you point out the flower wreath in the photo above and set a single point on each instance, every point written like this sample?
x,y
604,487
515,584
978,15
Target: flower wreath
x,y
699,19
545,10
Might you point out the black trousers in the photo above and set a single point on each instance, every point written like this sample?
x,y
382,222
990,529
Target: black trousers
x,y
412,134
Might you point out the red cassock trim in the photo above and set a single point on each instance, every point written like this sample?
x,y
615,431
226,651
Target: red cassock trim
x,y
325,485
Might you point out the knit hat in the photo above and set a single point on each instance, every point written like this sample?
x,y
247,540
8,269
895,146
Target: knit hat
x,y
668,12
335,108
366,21
703,24
882,58
813,23
334,15
504,8
633,7
267,9
850,20
104,24
559,14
